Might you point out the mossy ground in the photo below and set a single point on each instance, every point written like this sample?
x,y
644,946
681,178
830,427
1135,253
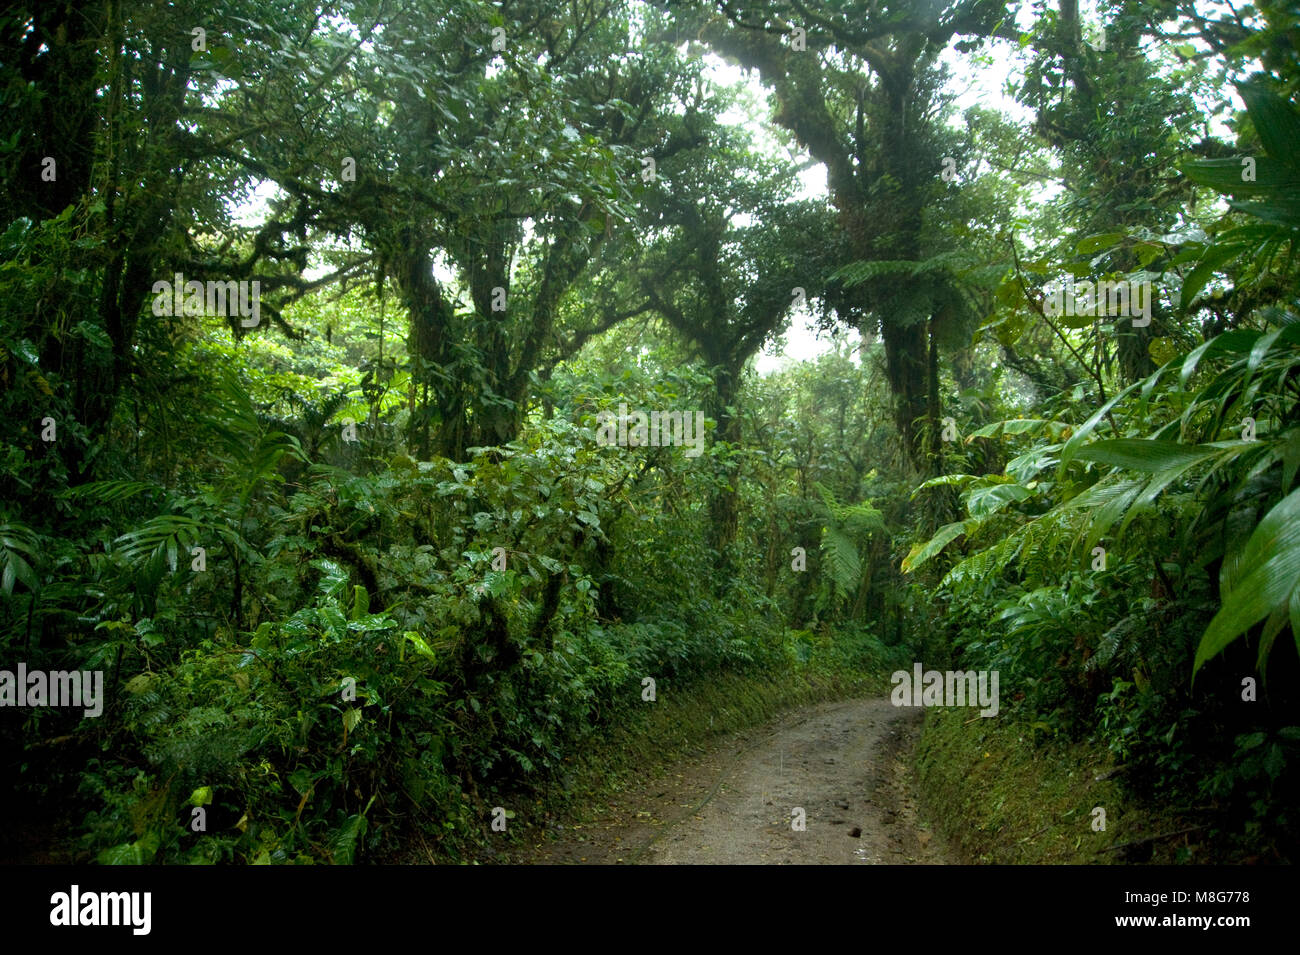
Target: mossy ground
x,y
999,797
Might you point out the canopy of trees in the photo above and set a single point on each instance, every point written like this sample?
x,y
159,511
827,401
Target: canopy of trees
x,y
383,398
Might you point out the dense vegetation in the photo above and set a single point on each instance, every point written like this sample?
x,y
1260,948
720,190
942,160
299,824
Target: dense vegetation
x,y
370,559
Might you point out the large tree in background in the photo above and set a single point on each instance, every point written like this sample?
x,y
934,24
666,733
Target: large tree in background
x,y
511,168
89,132
535,167
472,156
1119,123
859,88
126,127
735,253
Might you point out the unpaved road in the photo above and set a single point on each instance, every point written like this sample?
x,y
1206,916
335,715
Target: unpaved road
x,y
842,763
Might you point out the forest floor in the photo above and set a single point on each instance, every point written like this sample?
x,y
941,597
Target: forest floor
x,y
845,764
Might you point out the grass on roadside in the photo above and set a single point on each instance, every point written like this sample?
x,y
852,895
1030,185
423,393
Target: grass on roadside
x,y
998,797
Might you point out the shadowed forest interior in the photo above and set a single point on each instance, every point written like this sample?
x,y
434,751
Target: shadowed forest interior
x,y
427,416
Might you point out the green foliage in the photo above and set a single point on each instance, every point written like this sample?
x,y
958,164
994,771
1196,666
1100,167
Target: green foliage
x,y
1275,180
389,631
19,546
847,526
1263,581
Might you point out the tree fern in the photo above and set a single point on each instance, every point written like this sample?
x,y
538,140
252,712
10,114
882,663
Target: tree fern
x,y
840,558
847,526
855,273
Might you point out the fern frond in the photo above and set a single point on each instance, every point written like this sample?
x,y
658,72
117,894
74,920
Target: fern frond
x,y
840,558
111,492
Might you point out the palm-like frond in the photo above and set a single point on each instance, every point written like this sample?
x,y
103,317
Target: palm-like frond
x,y
19,547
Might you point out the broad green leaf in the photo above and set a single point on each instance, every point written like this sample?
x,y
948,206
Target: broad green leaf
x,y
1095,243
983,501
497,582
346,838
1269,576
1109,512
421,645
1077,439
944,480
351,717
1212,261
1225,175
129,853
1077,320
1029,426
1237,341
1140,454
360,602
1272,627
1281,211
1148,252
920,553
1275,120
1025,467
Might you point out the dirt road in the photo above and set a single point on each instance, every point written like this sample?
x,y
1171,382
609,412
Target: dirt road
x,y
842,764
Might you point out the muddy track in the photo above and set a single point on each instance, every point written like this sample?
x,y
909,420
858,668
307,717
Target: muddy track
x,y
843,764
